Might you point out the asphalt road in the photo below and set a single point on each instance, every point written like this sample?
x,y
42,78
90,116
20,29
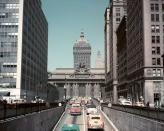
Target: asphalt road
x,y
81,120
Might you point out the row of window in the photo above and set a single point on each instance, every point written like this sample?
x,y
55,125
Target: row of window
x,y
155,7
9,15
155,39
155,28
154,72
8,54
155,17
9,6
10,66
8,44
156,61
156,50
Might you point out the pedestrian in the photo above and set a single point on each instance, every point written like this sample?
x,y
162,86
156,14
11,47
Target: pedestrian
x,y
147,104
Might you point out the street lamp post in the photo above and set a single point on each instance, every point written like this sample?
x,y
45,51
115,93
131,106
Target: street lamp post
x,y
65,92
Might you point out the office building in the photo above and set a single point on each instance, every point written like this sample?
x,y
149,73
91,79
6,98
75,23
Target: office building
x,y
82,53
113,16
145,24
122,59
23,52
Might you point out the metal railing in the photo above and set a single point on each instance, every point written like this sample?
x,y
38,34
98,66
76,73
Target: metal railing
x,y
17,109
151,113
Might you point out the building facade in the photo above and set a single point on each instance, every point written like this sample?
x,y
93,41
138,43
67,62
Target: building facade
x,y
116,10
82,53
145,19
122,59
23,52
78,83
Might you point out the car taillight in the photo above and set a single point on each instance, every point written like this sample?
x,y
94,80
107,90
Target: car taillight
x,y
102,125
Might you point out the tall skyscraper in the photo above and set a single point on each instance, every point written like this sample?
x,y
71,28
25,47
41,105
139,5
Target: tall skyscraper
x,y
145,31
82,53
99,60
116,11
23,52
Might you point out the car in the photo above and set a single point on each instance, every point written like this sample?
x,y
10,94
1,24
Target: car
x,y
124,102
91,109
71,102
138,103
75,109
94,121
70,127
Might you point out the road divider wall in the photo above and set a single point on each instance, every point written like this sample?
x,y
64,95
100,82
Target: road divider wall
x,y
126,121
38,121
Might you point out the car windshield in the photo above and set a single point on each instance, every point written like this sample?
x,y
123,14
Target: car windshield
x,y
91,106
127,102
96,117
71,130
75,105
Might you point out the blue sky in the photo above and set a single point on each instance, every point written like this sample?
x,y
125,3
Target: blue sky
x,y
66,19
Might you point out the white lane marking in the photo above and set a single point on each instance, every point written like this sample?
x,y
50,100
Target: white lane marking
x,y
110,122
84,120
59,121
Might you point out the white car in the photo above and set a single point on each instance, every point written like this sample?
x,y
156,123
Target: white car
x,y
95,121
125,102
91,109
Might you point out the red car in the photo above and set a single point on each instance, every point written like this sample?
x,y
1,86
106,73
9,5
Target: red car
x,y
75,109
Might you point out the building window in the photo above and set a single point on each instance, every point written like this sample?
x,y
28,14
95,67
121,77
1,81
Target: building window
x,y
117,19
153,39
157,17
157,28
158,50
156,7
157,39
158,72
118,9
153,50
158,61
117,14
163,7
153,61
152,28
154,72
152,17
152,7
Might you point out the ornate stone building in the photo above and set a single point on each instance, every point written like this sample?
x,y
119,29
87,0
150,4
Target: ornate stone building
x,y
82,80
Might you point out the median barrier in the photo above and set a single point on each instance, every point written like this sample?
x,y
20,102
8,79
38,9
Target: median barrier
x,y
44,120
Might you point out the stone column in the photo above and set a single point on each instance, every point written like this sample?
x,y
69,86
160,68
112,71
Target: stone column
x,y
68,94
115,95
73,90
88,90
77,90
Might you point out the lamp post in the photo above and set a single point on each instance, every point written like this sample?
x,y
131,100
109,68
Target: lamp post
x,y
65,91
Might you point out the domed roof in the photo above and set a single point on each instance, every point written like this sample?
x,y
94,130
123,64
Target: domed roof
x,y
82,42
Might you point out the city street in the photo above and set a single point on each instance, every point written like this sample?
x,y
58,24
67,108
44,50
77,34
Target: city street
x,y
81,120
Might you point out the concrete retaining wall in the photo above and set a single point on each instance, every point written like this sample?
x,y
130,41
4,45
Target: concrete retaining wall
x,y
38,121
129,122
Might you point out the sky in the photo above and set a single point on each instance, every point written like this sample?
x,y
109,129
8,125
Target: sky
x,y
66,20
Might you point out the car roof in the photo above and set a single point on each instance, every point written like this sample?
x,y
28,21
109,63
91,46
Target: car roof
x,y
70,126
94,115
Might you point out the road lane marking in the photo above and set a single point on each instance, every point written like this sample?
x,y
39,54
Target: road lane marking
x,y
59,121
84,120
